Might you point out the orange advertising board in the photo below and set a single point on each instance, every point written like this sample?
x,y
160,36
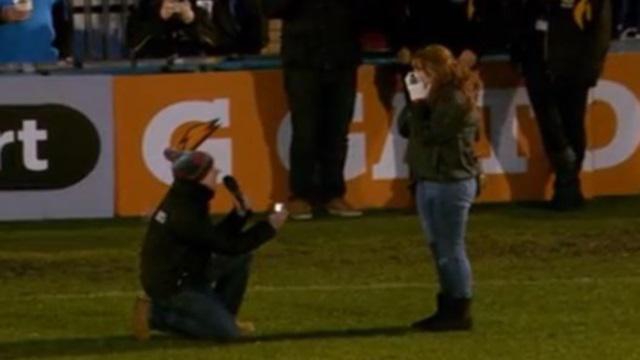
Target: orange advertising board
x,y
152,112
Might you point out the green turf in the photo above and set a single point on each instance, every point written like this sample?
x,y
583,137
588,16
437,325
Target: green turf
x,y
548,286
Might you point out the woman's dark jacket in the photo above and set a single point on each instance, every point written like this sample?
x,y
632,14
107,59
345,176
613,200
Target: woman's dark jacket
x,y
441,135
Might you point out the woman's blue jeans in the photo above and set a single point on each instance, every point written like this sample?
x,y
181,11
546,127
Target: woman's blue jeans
x,y
444,211
207,310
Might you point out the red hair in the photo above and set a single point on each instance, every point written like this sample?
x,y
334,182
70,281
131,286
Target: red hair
x,y
446,70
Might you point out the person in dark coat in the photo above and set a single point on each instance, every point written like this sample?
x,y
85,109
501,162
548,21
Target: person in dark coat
x,y
469,28
320,54
194,273
164,28
628,18
561,47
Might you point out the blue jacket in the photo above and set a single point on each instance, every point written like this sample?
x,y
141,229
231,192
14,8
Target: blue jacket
x,y
31,40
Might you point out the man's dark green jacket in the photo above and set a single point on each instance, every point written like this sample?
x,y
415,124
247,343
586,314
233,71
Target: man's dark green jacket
x,y
182,237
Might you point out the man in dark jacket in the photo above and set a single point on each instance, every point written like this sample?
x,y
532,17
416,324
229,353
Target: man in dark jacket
x,y
194,273
320,54
468,28
561,46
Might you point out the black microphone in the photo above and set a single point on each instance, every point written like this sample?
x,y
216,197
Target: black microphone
x,y
232,185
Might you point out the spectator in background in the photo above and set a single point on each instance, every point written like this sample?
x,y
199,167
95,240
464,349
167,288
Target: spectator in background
x,y
629,19
320,54
561,46
467,27
242,26
37,31
163,28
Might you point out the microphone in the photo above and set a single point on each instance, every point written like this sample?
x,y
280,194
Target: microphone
x,y
232,186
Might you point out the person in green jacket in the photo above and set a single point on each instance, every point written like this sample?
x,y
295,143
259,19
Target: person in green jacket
x,y
194,272
561,47
442,128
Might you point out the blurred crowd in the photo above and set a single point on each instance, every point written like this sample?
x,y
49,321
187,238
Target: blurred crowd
x,y
42,30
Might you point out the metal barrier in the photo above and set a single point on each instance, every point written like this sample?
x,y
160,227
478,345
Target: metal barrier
x,y
100,28
171,65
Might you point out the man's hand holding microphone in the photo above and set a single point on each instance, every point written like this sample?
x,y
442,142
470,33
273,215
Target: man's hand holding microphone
x,y
278,216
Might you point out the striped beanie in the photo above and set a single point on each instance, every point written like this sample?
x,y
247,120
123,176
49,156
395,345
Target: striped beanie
x,y
189,165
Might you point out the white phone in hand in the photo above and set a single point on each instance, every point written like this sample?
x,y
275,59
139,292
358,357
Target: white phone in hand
x,y
278,207
416,88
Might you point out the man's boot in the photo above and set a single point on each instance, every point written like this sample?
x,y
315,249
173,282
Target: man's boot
x,y
567,194
140,318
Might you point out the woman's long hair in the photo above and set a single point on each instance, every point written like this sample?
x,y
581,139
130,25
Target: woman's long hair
x,y
446,70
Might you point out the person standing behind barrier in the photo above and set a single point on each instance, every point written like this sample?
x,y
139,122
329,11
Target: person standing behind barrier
x,y
467,27
561,46
441,125
195,273
161,28
320,54
35,31
629,19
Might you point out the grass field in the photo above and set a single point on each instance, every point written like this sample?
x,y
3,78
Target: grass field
x,y
548,286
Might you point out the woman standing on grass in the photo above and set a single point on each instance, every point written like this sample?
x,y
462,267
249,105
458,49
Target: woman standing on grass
x,y
441,124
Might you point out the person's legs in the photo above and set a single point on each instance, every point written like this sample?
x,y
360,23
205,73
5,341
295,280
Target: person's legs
x,y
452,209
338,95
426,198
195,312
568,194
573,110
540,89
444,209
425,207
231,280
303,92
545,101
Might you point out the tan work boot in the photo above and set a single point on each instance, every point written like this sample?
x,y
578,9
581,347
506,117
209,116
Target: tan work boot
x,y
300,210
245,327
339,207
140,318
